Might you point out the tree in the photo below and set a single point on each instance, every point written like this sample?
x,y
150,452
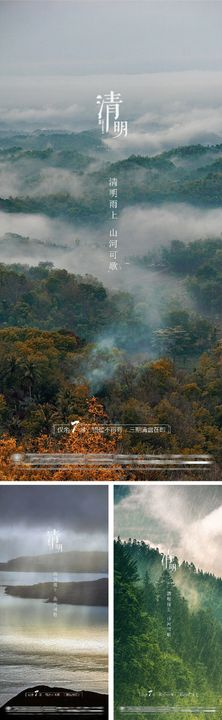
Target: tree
x,y
150,597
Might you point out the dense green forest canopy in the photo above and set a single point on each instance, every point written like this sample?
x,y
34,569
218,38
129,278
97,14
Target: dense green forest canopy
x,y
156,661
60,332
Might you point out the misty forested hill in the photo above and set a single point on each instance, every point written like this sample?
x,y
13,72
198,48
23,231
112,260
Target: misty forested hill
x,y
200,589
157,658
199,263
43,140
189,175
50,299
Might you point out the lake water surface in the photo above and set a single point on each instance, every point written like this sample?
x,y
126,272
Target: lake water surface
x,y
69,650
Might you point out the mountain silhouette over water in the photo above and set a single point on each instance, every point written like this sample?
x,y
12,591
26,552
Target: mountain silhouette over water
x,y
92,592
53,701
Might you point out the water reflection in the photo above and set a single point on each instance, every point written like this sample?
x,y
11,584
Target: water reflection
x,y
68,650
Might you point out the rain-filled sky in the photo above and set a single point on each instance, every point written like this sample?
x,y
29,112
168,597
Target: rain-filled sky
x,y
186,520
29,512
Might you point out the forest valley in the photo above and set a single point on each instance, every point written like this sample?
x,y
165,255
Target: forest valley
x,y
74,348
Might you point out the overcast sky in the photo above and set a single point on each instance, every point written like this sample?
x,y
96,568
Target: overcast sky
x,y
187,520
105,36
165,58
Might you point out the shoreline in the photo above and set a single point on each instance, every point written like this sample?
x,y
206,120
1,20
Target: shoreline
x,y
88,593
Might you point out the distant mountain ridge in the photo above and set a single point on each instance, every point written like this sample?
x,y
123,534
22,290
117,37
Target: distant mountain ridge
x,y
70,561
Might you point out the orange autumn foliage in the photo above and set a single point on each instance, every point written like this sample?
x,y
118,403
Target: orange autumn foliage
x,y
84,440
